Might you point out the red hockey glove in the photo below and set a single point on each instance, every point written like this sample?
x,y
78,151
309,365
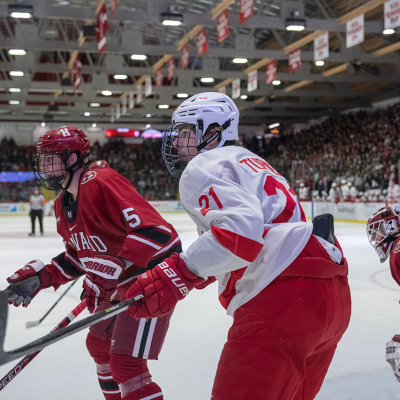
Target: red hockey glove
x,y
100,283
27,282
162,287
209,281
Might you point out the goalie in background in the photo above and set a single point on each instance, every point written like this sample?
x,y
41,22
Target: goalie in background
x,y
383,231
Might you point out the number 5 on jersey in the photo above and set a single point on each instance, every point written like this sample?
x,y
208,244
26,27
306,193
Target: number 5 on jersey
x,y
204,200
129,217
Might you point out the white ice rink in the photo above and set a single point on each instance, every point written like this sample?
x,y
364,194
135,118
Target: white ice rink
x,y
188,361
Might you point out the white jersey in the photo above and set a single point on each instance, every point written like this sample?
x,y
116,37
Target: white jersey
x,y
251,223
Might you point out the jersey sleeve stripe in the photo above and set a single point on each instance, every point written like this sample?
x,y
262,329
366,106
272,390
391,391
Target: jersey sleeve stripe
x,y
67,266
144,241
164,249
72,259
153,234
163,228
243,247
61,269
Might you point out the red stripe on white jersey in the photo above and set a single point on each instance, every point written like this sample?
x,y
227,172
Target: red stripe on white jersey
x,y
230,290
243,247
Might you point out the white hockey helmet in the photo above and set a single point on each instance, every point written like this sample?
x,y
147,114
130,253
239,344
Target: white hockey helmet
x,y
201,111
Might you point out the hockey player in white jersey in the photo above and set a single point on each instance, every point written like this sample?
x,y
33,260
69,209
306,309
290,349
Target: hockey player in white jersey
x,y
282,279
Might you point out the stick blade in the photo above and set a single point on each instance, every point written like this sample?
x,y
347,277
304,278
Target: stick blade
x,y
31,324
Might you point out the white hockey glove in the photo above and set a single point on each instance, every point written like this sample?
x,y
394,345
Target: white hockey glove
x,y
393,355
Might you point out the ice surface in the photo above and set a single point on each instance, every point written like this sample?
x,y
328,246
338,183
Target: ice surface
x,y
198,328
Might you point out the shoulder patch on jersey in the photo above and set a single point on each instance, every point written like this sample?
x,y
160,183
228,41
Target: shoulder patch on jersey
x,y
89,176
397,247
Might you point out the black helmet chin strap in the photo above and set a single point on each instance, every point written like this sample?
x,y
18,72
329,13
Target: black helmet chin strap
x,y
212,137
73,168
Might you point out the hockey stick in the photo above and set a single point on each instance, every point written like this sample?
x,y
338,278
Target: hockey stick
x,y
31,324
53,337
27,359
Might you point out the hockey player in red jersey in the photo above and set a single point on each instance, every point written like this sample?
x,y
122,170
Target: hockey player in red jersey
x,y
383,231
282,279
111,235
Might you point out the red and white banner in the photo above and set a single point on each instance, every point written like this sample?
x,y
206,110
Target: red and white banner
x,y
355,31
270,70
392,14
139,94
124,105
201,42
321,47
252,81
185,56
159,77
76,73
223,25
101,28
294,61
171,68
222,89
235,88
147,86
113,7
246,10
131,100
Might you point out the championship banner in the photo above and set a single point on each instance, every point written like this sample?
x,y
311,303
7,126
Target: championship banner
x,y
185,56
321,47
131,100
171,68
222,90
294,61
101,29
76,73
201,42
147,86
223,25
117,111
392,14
124,105
246,10
270,70
252,81
139,94
113,7
235,88
355,31
159,77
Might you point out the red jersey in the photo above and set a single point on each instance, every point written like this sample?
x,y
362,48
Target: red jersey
x,y
109,217
394,260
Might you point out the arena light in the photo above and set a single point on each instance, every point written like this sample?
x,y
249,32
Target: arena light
x,y
16,73
182,95
94,104
274,125
171,19
207,80
20,11
319,63
14,90
138,57
243,96
163,106
86,114
43,124
94,125
13,102
148,115
388,31
276,82
120,76
106,93
240,60
16,52
295,24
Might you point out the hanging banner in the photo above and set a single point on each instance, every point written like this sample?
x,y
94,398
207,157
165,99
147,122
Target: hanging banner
x,y
139,94
76,73
321,47
270,70
159,77
147,86
112,118
392,14
294,61
124,105
117,111
246,10
223,25
131,100
235,88
185,56
355,31
101,28
201,42
222,89
171,68
113,7
252,81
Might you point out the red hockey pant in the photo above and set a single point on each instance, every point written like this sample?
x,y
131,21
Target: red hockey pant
x,y
282,341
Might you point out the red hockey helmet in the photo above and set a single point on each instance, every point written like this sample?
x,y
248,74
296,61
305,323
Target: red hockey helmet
x,y
99,164
52,158
383,228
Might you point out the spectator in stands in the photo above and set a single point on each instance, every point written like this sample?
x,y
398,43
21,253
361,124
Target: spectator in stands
x,y
334,193
385,182
353,192
393,195
303,192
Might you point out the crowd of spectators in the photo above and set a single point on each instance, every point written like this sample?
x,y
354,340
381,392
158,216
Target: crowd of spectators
x,y
350,157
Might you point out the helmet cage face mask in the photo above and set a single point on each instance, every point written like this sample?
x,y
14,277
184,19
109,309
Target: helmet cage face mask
x,y
382,230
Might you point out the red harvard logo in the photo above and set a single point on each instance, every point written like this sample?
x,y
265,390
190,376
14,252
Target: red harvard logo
x,y
69,213
90,175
